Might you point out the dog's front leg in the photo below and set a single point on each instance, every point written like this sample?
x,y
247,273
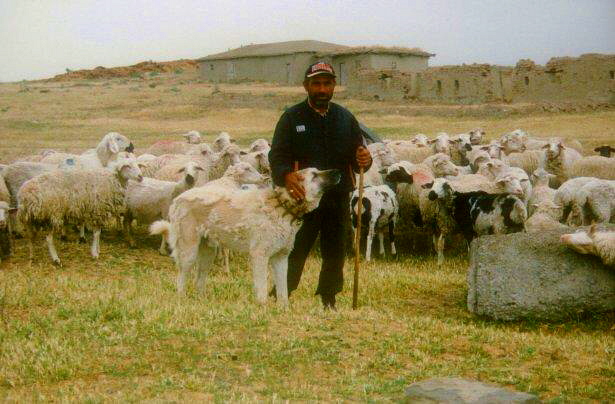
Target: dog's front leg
x,y
259,277
279,264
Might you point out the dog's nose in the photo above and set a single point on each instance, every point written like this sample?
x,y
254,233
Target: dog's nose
x,y
130,148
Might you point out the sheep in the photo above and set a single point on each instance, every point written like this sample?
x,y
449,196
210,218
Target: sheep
x,y
599,243
5,231
476,157
528,160
460,146
258,160
174,146
497,214
564,195
105,152
605,151
440,165
224,159
558,160
476,136
404,150
379,212
88,197
541,222
542,194
16,174
200,154
36,158
149,200
593,166
441,143
593,202
420,140
259,145
382,157
222,142
494,169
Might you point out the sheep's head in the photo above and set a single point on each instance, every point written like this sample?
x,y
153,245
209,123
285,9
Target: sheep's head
x,y
192,137
223,140
440,189
398,173
463,143
540,176
114,143
259,145
127,168
510,185
442,143
191,172
244,173
420,140
494,148
605,151
476,136
582,242
4,214
553,149
494,167
384,155
441,165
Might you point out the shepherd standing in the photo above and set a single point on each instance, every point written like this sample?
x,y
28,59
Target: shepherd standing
x,y
319,133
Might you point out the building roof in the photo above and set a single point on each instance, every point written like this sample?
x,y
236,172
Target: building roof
x,y
274,49
383,50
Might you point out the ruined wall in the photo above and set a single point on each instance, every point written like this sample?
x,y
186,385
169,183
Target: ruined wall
x,y
588,78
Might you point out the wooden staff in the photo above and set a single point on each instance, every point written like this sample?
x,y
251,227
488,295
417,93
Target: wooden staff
x,y
357,254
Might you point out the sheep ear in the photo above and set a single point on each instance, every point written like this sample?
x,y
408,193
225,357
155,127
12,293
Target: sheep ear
x,y
141,165
545,146
485,148
382,171
427,185
243,153
592,229
431,141
181,170
199,168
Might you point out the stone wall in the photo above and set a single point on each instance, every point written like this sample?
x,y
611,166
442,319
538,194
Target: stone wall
x,y
588,78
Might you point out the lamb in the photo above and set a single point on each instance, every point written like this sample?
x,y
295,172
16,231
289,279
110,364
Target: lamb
x,y
494,148
149,200
200,154
404,150
476,157
440,165
258,160
223,160
594,202
605,151
260,222
593,166
528,160
259,145
495,169
476,136
460,146
564,195
175,147
599,243
82,197
379,212
543,196
420,140
441,143
106,151
558,160
222,142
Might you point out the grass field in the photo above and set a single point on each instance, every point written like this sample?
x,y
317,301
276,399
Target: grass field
x,y
115,329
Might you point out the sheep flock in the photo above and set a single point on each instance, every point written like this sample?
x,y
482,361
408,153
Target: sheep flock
x,y
438,188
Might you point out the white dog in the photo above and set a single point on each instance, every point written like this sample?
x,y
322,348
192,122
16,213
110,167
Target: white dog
x,y
259,222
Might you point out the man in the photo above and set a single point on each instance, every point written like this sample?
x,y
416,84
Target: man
x,y
318,133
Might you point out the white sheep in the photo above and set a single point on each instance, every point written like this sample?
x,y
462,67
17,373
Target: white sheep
x,y
258,159
440,165
149,200
259,145
441,143
223,160
494,169
558,160
404,150
105,152
379,213
543,196
599,243
593,166
222,141
494,148
175,146
382,158
460,146
81,197
528,160
593,202
476,136
420,140
564,195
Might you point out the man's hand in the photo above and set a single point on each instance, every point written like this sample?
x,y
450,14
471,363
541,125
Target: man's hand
x,y
364,158
293,182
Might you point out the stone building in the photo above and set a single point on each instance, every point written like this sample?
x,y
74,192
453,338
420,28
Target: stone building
x,y
285,62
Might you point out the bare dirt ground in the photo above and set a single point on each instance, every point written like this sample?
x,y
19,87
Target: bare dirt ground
x,y
115,330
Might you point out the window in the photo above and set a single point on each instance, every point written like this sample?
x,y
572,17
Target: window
x,y
393,65
211,67
527,81
456,85
612,74
438,87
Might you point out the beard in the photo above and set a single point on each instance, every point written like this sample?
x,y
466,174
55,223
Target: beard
x,y
320,100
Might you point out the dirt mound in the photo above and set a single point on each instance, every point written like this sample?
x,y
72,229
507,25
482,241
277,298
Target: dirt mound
x,y
101,72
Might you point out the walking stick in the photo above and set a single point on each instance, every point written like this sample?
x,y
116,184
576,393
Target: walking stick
x,y
357,252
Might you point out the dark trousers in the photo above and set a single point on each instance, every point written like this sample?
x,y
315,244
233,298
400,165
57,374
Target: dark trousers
x,y
330,219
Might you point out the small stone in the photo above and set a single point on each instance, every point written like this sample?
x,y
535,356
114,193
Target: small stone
x,y
462,391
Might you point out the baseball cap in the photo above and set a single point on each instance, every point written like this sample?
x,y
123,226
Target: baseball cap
x,y
319,68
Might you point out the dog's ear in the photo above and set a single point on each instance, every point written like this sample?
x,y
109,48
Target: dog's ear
x,y
113,146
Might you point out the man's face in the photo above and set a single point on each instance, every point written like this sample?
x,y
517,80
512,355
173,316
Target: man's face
x,y
320,89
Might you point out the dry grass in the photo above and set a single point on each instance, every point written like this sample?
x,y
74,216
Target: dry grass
x,y
114,330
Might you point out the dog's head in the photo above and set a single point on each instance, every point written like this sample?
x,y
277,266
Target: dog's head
x,y
315,183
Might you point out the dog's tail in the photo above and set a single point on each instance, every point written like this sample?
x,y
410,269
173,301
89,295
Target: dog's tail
x,y
160,227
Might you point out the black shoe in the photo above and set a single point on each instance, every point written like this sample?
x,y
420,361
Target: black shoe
x,y
328,301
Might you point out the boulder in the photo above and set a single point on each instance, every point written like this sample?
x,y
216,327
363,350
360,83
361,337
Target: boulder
x,y
461,391
523,275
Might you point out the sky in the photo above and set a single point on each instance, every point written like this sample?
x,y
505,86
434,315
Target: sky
x,y
42,38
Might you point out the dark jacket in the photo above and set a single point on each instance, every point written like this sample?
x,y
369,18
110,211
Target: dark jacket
x,y
325,143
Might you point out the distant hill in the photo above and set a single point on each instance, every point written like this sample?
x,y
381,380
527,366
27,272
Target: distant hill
x,y
101,72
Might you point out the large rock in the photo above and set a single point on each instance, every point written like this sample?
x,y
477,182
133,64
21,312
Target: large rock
x,y
524,275
460,391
